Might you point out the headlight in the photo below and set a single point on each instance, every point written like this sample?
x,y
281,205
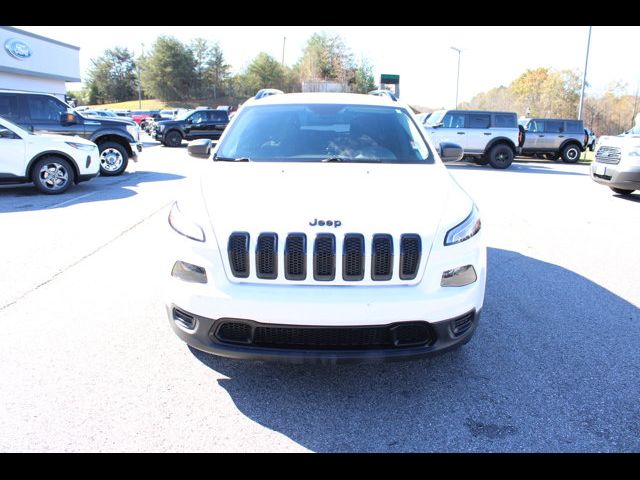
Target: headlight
x,y
184,225
81,146
133,131
465,230
635,151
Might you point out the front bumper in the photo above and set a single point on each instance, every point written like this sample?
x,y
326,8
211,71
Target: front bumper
x,y
203,337
616,176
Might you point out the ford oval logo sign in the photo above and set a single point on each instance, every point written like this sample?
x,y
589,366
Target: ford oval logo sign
x,y
17,49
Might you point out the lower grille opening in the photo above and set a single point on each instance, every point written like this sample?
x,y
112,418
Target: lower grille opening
x,y
462,324
183,318
393,336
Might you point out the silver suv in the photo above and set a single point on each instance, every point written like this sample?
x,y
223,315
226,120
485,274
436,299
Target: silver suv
x,y
555,138
617,162
487,137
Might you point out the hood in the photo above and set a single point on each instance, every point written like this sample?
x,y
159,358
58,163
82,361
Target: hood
x,y
108,121
620,141
62,138
283,198
168,122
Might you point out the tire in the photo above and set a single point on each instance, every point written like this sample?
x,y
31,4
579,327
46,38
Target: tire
x,y
113,159
52,175
571,153
173,139
552,156
481,160
500,156
621,191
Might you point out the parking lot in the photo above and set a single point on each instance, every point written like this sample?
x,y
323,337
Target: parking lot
x,y
88,361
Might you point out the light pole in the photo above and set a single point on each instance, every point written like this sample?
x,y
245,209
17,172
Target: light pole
x,y
140,80
458,79
584,76
284,41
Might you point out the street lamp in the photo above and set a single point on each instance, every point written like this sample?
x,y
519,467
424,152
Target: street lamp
x,y
458,79
139,79
584,76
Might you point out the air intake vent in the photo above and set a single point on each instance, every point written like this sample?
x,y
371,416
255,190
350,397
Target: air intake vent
x,y
234,332
324,257
295,257
353,257
462,324
382,257
410,252
238,249
267,256
183,318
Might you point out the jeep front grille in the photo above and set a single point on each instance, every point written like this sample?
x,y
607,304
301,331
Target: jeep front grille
x,y
609,155
327,262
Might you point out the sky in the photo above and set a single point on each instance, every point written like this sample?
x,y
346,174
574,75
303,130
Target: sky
x,y
422,56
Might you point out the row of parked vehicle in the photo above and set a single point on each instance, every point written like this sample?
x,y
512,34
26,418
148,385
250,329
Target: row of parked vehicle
x,y
495,138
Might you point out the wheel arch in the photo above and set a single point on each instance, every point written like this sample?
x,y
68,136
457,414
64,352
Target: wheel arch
x,y
501,140
111,137
54,153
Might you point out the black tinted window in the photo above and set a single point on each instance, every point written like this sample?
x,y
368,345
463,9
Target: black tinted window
x,y
554,126
9,106
505,121
45,108
218,116
574,127
479,120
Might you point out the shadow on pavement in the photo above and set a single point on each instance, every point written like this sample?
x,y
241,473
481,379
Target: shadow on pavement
x,y
24,198
528,167
554,366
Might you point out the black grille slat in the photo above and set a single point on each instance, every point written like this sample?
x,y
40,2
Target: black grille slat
x,y
396,336
353,257
267,256
610,155
410,253
324,257
382,257
462,324
238,250
295,257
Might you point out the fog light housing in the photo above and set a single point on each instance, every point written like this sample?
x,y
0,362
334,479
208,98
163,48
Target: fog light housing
x,y
188,272
458,277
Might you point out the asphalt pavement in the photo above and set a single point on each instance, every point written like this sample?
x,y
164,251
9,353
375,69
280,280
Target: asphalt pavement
x,y
88,361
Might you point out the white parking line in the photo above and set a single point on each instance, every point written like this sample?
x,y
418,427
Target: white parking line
x,y
55,205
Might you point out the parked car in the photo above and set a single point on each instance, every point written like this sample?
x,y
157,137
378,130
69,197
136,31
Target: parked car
x,y
193,124
555,138
423,117
331,261
487,137
266,92
53,163
105,113
169,114
147,122
139,116
117,140
617,162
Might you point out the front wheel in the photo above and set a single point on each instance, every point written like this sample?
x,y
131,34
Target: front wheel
x,y
571,154
173,139
500,156
52,175
113,159
621,191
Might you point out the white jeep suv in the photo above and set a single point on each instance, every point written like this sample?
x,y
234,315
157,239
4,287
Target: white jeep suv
x,y
492,138
52,162
326,229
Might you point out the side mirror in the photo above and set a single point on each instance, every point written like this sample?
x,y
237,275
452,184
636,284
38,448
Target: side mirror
x,y
189,120
200,148
6,133
68,119
451,152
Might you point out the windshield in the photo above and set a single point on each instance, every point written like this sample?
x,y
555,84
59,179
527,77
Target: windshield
x,y
324,132
435,118
13,127
634,131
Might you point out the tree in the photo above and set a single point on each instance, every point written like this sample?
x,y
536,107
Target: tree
x,y
364,81
169,72
112,77
326,57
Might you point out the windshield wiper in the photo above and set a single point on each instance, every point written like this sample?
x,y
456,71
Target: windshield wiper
x,y
231,159
351,160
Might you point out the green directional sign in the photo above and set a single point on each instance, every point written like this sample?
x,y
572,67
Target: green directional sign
x,y
389,79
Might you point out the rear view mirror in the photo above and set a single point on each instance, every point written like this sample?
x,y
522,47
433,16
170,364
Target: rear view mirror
x,y
451,152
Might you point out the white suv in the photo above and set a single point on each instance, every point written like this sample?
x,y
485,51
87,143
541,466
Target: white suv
x,y
617,162
326,229
52,162
487,137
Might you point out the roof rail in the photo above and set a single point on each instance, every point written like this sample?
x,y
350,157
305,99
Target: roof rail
x,y
384,93
265,92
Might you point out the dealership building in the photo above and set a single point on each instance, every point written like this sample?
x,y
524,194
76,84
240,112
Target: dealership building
x,y
35,63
